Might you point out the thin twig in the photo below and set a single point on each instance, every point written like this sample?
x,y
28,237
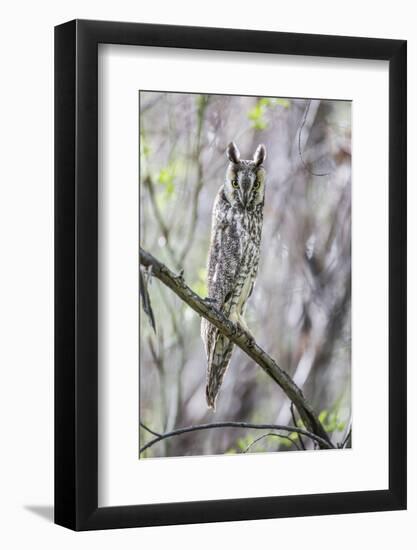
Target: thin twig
x,y
146,301
275,435
348,436
204,101
181,344
158,361
160,219
240,338
322,442
149,430
299,144
295,424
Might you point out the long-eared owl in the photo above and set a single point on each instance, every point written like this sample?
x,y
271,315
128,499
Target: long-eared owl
x,y
233,256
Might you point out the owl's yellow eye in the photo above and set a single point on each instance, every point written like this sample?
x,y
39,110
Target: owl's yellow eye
x,y
257,184
235,184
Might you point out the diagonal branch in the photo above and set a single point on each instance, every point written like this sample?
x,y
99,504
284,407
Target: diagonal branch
x,y
324,444
240,338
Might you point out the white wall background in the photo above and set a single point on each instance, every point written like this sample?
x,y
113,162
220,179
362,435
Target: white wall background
x,y
26,285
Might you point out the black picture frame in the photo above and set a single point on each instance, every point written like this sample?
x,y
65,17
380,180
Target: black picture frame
x,y
76,272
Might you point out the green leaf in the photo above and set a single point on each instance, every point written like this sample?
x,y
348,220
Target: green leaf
x,y
166,178
323,416
166,175
256,114
283,102
284,441
260,125
241,444
265,101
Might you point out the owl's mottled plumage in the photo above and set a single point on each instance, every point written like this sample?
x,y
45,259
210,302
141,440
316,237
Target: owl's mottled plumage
x,y
233,256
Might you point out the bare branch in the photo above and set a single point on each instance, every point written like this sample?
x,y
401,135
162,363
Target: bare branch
x,y
347,438
295,424
240,338
322,442
157,434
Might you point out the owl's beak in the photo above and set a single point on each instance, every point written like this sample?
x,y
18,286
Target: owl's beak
x,y
245,193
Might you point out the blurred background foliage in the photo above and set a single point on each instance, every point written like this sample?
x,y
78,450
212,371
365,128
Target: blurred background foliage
x,y
299,311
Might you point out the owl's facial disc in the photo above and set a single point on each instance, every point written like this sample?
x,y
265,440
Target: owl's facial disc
x,y
246,181
244,184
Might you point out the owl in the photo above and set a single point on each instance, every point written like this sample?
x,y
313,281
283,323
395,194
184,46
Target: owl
x,y
233,256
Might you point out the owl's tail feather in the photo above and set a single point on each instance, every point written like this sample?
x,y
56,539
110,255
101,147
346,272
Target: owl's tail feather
x,y
218,361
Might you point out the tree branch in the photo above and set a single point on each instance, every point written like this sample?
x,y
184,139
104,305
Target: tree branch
x,y
322,442
142,425
295,424
240,338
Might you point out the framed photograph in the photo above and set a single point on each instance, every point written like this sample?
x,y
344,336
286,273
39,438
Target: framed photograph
x,y
230,255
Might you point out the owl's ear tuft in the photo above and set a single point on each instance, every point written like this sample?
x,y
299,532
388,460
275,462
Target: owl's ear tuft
x,y
260,155
233,153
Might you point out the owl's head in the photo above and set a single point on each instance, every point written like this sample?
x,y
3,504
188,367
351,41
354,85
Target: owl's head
x,y
245,179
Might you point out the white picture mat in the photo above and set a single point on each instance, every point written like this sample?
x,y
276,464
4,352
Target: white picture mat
x,y
123,479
